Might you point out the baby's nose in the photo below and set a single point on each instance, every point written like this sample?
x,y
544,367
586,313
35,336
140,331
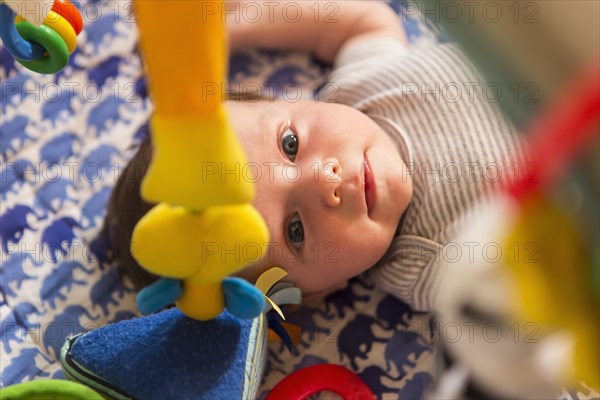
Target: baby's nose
x,y
328,182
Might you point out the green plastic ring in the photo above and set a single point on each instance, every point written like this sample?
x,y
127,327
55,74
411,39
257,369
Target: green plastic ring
x,y
58,54
50,389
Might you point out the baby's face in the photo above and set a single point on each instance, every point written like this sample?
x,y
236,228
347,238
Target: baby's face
x,y
330,185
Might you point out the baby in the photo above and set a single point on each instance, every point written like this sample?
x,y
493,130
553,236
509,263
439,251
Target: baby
x,y
377,176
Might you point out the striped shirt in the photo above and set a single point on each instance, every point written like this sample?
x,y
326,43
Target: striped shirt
x,y
457,146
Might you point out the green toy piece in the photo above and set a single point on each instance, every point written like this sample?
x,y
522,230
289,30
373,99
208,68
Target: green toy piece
x,y
58,53
49,390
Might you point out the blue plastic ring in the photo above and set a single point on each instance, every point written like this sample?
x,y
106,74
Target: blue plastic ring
x,y
18,47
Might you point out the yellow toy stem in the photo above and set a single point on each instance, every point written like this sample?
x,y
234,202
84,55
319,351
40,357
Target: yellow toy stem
x,y
185,48
195,173
201,302
197,163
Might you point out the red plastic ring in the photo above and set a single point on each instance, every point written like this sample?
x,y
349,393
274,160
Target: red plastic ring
x,y
68,11
314,379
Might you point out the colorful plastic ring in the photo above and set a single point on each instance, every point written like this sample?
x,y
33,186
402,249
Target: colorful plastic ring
x,y
58,53
61,26
69,12
18,47
314,379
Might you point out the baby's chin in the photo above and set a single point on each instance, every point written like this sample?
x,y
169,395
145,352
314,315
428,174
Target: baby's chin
x,y
314,298
318,293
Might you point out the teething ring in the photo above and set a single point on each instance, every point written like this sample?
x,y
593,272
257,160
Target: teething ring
x,y
68,11
61,26
18,47
44,49
58,53
314,379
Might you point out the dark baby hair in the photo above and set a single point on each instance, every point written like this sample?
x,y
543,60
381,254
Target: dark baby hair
x,y
125,208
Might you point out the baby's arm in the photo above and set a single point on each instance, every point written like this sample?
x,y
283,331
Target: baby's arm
x,y
320,27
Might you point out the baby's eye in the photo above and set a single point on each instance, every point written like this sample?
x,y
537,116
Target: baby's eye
x,y
295,230
289,144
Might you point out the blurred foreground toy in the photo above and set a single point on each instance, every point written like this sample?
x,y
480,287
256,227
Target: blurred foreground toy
x,y
533,304
557,289
40,43
204,213
527,298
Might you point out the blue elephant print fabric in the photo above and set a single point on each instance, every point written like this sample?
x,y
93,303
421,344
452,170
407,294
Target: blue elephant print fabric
x,y
65,139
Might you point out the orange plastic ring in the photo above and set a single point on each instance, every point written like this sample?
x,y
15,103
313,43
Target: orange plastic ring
x,y
68,11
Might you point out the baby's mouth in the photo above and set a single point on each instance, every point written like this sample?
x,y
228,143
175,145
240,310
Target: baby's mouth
x,y
370,187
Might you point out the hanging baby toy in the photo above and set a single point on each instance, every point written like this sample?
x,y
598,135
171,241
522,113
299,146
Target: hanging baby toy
x,y
204,209
40,38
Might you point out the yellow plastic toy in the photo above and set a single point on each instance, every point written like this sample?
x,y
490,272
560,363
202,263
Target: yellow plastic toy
x,y
194,145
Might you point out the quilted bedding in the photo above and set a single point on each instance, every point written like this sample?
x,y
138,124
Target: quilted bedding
x,y
66,137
